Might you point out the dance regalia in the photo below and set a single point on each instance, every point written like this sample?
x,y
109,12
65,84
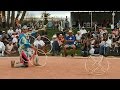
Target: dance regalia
x,y
24,46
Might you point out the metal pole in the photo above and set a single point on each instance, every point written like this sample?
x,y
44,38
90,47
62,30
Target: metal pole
x,y
95,27
113,14
91,19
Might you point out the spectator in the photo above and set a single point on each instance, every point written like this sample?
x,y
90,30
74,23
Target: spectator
x,y
115,46
92,50
97,46
104,49
78,39
83,30
9,48
61,39
14,37
2,48
18,30
104,29
70,41
15,48
55,45
85,47
39,43
5,38
10,32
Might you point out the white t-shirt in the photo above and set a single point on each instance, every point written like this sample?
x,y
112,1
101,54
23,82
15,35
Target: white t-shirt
x,y
10,32
92,51
14,40
78,37
83,31
1,45
18,31
40,42
108,43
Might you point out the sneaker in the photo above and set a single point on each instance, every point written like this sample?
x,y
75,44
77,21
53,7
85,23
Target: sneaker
x,y
12,64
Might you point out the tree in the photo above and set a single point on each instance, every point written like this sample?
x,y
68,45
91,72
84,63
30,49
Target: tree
x,y
13,19
22,17
8,18
18,14
45,16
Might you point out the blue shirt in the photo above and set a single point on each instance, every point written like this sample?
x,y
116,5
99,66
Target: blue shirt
x,y
70,38
23,42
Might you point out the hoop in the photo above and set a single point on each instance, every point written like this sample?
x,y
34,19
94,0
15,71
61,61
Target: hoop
x,y
38,51
48,40
99,64
39,61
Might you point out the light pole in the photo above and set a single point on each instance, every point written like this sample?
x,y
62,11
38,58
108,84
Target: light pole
x,y
113,15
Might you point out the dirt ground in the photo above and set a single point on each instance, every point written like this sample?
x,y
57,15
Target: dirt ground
x,y
57,68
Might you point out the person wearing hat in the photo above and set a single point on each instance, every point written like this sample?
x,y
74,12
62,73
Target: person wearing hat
x,y
69,42
24,46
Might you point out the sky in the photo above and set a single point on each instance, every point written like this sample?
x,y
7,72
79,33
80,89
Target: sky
x,y
62,14
57,13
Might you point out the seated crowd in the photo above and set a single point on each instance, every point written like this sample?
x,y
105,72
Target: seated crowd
x,y
92,42
87,42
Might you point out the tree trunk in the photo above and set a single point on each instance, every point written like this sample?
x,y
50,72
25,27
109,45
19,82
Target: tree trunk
x,y
22,17
3,13
13,19
8,18
18,14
